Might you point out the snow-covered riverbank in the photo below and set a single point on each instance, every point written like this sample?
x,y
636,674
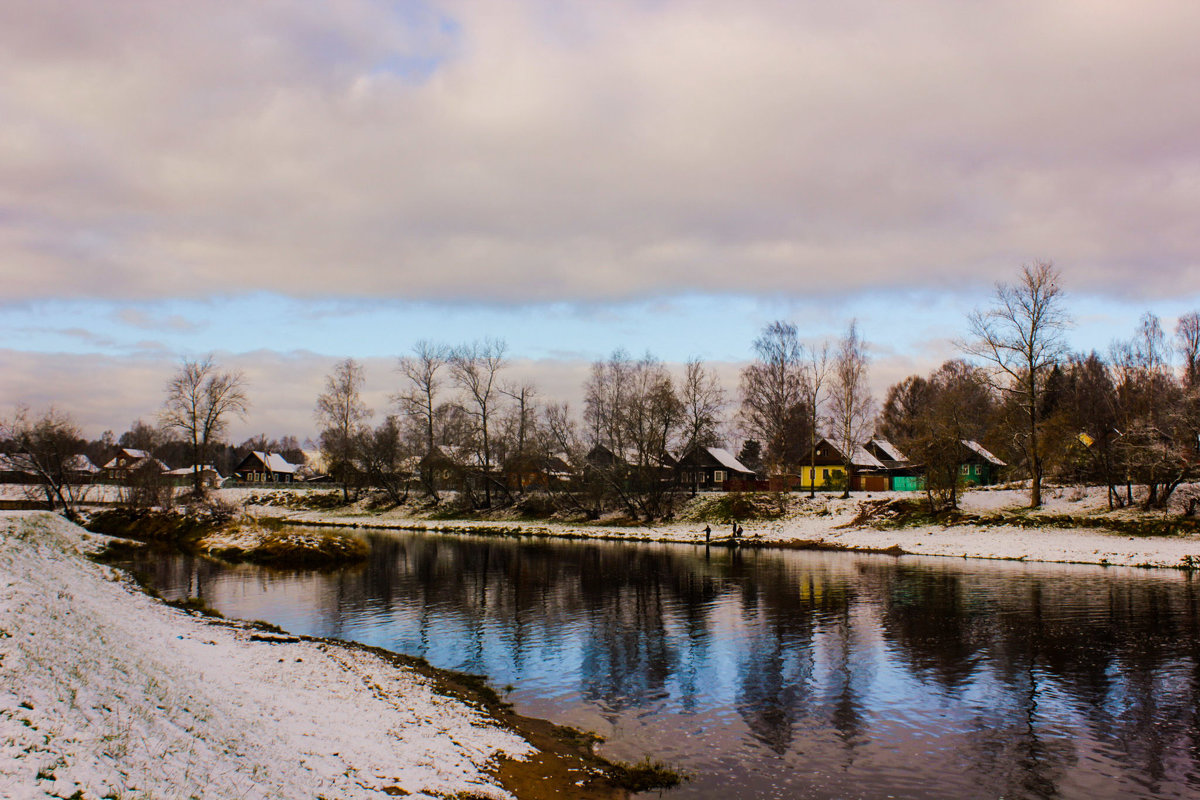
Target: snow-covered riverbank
x,y
106,692
829,522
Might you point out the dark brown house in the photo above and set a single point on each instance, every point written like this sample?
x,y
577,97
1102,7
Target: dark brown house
x,y
711,468
260,467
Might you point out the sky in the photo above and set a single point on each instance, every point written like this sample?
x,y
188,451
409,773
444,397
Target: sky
x,y
285,184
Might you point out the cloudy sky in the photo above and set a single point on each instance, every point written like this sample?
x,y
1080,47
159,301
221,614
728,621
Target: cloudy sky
x,y
288,183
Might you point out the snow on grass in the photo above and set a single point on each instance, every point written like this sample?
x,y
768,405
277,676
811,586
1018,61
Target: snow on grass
x,y
106,692
827,520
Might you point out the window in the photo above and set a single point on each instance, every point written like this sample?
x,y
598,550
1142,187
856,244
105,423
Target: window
x,y
966,469
718,476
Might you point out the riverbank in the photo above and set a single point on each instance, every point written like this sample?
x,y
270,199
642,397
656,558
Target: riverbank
x,y
1073,526
108,692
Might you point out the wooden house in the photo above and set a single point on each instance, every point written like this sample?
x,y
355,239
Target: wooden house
x,y
129,460
262,467
902,474
824,469
183,476
979,466
711,468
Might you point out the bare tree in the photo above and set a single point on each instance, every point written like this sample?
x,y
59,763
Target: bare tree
x,y
1157,445
380,456
1187,344
930,418
476,368
341,412
520,432
632,411
1021,336
1089,412
772,393
605,399
200,399
419,399
814,380
47,448
851,409
703,400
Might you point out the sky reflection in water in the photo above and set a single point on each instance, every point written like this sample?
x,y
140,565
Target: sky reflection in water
x,y
787,674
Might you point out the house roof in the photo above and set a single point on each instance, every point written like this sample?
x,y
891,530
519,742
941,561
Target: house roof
x,y
274,462
81,463
14,463
137,464
971,444
888,449
728,460
189,470
859,458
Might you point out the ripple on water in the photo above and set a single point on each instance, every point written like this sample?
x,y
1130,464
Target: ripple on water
x,y
789,674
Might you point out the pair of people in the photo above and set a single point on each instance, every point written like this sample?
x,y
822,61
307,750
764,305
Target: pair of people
x,y
737,532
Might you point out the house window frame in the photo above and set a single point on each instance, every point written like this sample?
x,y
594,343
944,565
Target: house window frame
x,y
718,476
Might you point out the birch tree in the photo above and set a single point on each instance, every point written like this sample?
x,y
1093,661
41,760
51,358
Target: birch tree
x,y
341,412
1021,336
200,399
476,369
703,401
772,392
418,399
47,448
851,408
814,388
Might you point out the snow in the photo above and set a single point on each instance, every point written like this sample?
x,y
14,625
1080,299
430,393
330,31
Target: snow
x,y
108,692
827,521
727,460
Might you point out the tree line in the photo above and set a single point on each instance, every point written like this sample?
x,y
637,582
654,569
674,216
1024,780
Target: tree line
x,y
456,421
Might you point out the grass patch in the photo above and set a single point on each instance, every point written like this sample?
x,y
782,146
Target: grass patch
x,y
196,606
647,774
728,507
153,526
279,546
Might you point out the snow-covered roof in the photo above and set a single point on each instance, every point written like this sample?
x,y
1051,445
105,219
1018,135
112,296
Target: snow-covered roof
x,y
971,444
275,462
727,459
81,463
190,470
860,457
137,464
888,449
14,463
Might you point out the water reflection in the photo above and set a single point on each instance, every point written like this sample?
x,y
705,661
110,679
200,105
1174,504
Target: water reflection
x,y
786,675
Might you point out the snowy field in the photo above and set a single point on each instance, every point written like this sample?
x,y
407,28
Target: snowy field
x,y
107,693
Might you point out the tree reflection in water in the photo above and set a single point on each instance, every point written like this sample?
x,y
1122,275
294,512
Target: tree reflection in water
x,y
787,674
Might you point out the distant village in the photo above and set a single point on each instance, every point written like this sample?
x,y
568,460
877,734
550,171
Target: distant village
x,y
1017,406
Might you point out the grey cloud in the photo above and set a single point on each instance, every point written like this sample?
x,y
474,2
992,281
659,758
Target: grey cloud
x,y
521,151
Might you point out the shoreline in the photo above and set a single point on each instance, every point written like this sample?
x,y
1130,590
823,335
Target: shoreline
x,y
830,524
106,690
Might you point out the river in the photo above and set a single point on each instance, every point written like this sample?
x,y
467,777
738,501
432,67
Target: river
x,y
784,674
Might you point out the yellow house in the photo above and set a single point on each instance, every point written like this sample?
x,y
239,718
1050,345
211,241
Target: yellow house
x,y
825,467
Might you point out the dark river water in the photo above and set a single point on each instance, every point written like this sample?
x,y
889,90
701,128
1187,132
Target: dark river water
x,y
773,674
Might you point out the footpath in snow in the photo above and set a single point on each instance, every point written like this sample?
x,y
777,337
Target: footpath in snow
x,y
106,692
829,522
